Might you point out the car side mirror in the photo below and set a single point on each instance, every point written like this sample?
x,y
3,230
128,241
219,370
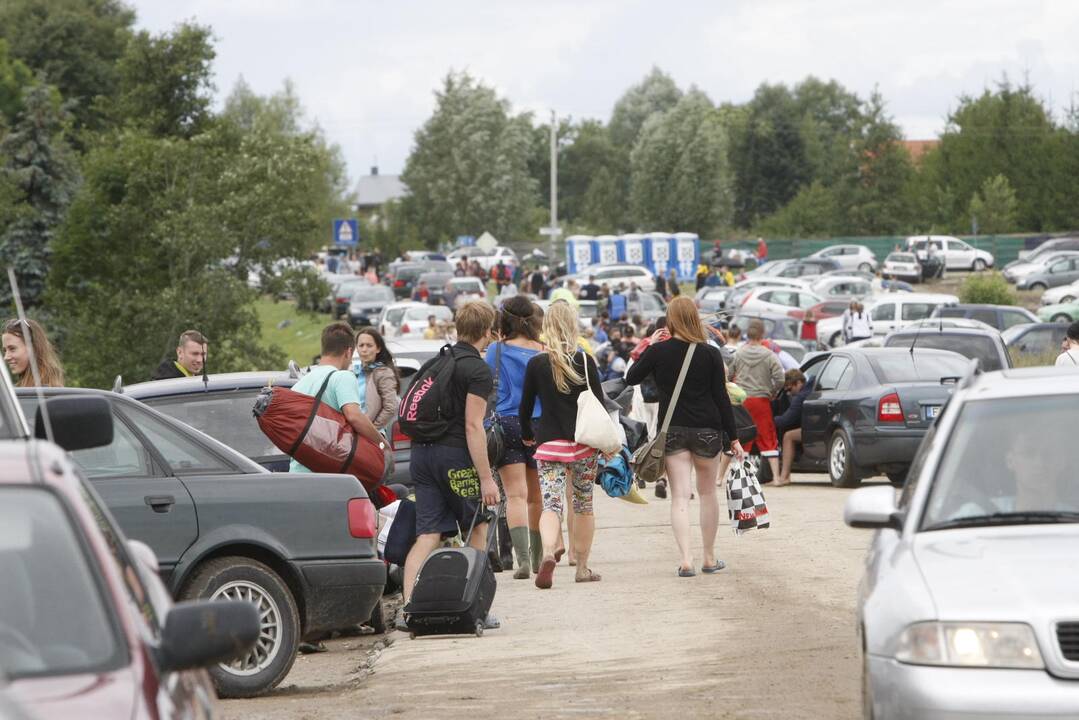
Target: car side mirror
x,y
873,508
206,632
78,422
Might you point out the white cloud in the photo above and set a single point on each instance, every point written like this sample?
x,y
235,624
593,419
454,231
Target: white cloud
x,y
367,70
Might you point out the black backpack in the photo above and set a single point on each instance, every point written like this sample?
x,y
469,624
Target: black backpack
x,y
426,408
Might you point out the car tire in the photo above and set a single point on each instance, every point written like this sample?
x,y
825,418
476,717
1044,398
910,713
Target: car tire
x,y
271,659
377,621
1062,318
866,267
1038,287
898,479
1066,300
979,265
841,469
833,341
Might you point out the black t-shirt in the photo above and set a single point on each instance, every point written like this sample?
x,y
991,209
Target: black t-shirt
x,y
590,292
471,376
704,402
558,421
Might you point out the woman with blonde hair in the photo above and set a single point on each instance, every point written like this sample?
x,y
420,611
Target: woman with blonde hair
x,y
558,376
17,354
701,424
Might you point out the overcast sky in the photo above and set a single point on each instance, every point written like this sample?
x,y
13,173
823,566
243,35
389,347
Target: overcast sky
x,y
366,71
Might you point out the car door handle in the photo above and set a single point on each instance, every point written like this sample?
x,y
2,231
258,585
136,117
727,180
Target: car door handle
x,y
160,503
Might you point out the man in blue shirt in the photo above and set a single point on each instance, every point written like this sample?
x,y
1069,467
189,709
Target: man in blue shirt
x,y
617,305
342,392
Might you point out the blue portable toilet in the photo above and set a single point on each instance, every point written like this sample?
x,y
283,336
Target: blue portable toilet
x,y
659,249
578,253
631,249
605,249
687,254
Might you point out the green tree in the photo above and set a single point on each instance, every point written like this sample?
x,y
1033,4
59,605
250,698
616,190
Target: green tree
x,y
14,78
995,207
468,171
681,176
75,43
813,212
39,176
166,83
593,179
656,93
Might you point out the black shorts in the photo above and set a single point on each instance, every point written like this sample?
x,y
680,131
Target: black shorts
x,y
447,488
516,451
702,442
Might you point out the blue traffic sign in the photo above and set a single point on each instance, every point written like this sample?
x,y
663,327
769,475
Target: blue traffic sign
x,y
346,232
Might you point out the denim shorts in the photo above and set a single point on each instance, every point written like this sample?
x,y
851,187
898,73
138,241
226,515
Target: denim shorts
x,y
702,442
516,451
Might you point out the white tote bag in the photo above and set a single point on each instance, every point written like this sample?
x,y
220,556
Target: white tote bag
x,y
594,426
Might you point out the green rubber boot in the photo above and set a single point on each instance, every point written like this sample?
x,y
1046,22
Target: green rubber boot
x,y
520,538
535,543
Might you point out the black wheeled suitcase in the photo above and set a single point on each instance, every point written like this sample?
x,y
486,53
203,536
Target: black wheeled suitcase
x,y
454,591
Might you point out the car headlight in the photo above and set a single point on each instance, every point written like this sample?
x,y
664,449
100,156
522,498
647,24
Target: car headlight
x,y
955,644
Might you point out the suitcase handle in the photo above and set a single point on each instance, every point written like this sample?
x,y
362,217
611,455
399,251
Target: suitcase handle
x,y
475,518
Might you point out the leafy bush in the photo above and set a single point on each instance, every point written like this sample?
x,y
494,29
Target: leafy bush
x,y
987,288
302,284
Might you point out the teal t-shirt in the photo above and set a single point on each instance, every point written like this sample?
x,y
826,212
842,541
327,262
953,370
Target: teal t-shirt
x,y
341,391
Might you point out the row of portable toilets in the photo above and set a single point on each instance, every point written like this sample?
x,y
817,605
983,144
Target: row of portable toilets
x,y
659,252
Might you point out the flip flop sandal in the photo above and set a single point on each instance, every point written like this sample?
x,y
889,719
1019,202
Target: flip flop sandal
x,y
713,569
558,555
545,576
592,577
683,572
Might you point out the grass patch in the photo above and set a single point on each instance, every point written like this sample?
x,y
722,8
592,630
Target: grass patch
x,y
1021,360
295,332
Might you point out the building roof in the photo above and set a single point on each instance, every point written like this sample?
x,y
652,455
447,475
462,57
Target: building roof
x,y
918,148
373,190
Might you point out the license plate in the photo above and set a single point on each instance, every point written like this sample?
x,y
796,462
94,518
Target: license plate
x,y
931,411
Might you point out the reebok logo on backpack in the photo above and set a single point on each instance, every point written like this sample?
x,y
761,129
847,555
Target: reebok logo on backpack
x,y
427,406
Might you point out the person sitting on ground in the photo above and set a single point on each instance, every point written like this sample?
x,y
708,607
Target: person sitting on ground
x,y
50,372
190,358
1069,356
789,424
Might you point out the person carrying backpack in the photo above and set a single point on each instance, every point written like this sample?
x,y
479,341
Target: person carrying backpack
x,y
557,377
443,412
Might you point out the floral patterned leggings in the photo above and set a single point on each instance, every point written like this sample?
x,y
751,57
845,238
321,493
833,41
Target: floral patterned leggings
x,y
553,476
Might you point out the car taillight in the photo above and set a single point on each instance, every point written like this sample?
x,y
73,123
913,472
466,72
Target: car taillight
x,y
405,330
398,283
361,518
342,300
889,409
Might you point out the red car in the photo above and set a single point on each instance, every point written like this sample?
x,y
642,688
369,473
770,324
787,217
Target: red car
x,y
87,629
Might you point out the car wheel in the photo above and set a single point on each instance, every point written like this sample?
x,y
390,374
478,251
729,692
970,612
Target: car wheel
x,y
979,265
897,479
866,267
1038,287
268,662
841,468
1066,300
377,621
834,340
1062,318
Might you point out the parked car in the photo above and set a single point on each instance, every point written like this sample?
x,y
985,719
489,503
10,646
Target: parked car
x,y
985,346
224,527
436,286
416,318
809,267
792,301
889,312
831,287
869,408
1060,294
653,307
465,289
743,287
849,257
1062,270
1059,313
1069,242
367,303
405,276
1035,339
341,297
1000,317
1017,272
958,255
967,607
487,260
779,328
615,275
902,266
712,299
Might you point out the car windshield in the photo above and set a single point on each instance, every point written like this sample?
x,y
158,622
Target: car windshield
x,y
1010,335
224,416
901,258
441,312
1008,461
53,616
409,273
919,367
372,293
976,347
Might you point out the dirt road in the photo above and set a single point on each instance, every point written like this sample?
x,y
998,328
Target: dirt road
x,y
773,635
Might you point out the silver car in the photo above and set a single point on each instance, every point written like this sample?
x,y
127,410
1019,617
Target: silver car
x,y
969,606
849,257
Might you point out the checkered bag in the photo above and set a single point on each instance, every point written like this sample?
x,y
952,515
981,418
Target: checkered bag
x,y
745,500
